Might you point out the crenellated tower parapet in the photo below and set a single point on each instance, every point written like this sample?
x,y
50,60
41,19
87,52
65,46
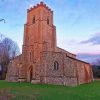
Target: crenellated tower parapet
x,y
41,4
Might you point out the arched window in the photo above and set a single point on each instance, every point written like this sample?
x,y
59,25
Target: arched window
x,y
33,19
48,20
56,65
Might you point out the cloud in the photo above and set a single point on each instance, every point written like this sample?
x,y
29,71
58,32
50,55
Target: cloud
x,y
94,40
91,58
76,47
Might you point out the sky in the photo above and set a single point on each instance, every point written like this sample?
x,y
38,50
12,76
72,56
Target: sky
x,y
77,23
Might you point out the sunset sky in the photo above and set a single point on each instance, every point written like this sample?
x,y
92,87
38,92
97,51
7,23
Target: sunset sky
x,y
77,22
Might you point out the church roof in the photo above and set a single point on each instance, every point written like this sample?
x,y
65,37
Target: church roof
x,y
38,5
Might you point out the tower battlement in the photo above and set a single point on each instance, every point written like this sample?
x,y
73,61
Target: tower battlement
x,y
41,4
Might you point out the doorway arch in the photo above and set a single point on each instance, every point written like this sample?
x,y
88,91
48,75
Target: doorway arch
x,y
30,73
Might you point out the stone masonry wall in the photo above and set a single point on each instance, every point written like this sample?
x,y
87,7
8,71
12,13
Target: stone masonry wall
x,y
71,71
13,69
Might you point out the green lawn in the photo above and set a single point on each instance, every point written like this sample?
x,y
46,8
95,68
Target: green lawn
x,y
27,91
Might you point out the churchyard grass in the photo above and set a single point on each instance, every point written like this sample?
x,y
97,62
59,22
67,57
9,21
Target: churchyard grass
x,y
27,91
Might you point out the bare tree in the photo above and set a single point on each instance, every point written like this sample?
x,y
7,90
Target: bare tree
x,y
4,56
8,51
11,47
4,60
97,62
96,68
2,20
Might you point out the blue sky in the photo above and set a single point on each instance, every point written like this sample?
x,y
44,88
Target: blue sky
x,y
77,22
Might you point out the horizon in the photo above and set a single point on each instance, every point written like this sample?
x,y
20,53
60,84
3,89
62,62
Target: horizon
x,y
80,17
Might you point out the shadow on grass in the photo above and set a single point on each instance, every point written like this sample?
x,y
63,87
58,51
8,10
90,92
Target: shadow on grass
x,y
6,95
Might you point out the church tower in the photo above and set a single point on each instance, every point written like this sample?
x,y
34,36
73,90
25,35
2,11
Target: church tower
x,y
39,31
41,60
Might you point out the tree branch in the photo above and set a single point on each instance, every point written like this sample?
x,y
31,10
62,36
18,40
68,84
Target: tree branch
x,y
2,20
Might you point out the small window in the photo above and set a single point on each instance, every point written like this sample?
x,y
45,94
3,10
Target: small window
x,y
48,20
0,68
33,19
56,65
30,56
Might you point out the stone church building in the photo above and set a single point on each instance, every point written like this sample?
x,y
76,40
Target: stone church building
x,y
41,60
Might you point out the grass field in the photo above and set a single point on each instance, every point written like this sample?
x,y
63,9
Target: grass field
x,y
27,91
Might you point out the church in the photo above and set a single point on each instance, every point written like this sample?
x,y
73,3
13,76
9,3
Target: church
x,y
41,60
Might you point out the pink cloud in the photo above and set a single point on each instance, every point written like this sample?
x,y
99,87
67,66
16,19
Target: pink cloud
x,y
94,40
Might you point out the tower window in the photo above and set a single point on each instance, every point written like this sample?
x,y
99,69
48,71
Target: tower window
x,y
56,65
48,20
33,19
